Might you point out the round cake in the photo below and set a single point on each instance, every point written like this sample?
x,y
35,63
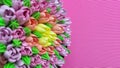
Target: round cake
x,y
33,34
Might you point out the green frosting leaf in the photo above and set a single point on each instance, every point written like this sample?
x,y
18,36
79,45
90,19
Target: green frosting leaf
x,y
27,31
26,60
16,42
35,50
27,3
51,66
2,21
36,15
67,50
1,1
2,48
57,54
49,25
38,66
61,22
7,2
48,10
60,37
37,34
45,56
67,35
13,24
9,65
58,8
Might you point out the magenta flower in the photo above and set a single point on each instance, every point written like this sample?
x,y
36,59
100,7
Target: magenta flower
x,y
12,54
23,15
7,13
36,60
62,50
53,59
26,49
5,35
19,33
45,64
17,4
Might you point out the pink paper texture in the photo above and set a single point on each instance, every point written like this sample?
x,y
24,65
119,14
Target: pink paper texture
x,y
95,33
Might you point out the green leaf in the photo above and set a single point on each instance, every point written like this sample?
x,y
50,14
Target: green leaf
x,y
2,21
67,50
67,35
58,8
27,3
60,37
13,24
2,48
27,31
49,25
61,22
35,50
16,42
7,2
37,34
9,65
36,15
45,56
26,60
57,54
48,10
38,66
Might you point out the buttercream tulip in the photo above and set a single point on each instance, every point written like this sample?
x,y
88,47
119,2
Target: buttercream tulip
x,y
5,35
18,34
31,23
32,40
7,13
26,49
17,4
36,60
58,29
12,54
23,15
50,50
43,51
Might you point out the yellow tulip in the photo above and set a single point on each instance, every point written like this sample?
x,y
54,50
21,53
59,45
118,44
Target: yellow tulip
x,y
44,27
39,29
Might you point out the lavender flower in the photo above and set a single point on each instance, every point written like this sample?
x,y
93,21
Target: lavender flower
x,y
23,15
12,54
17,4
36,60
19,33
7,13
26,49
5,35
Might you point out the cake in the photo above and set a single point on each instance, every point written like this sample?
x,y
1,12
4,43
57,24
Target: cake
x,y
33,34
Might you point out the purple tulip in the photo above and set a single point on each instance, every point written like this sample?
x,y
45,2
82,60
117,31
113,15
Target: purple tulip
x,y
26,49
5,35
60,62
23,15
35,6
36,60
43,5
19,33
7,13
45,64
53,59
53,8
62,50
12,54
17,4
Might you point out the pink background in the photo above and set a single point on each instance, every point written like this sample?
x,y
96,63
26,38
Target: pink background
x,y
95,33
